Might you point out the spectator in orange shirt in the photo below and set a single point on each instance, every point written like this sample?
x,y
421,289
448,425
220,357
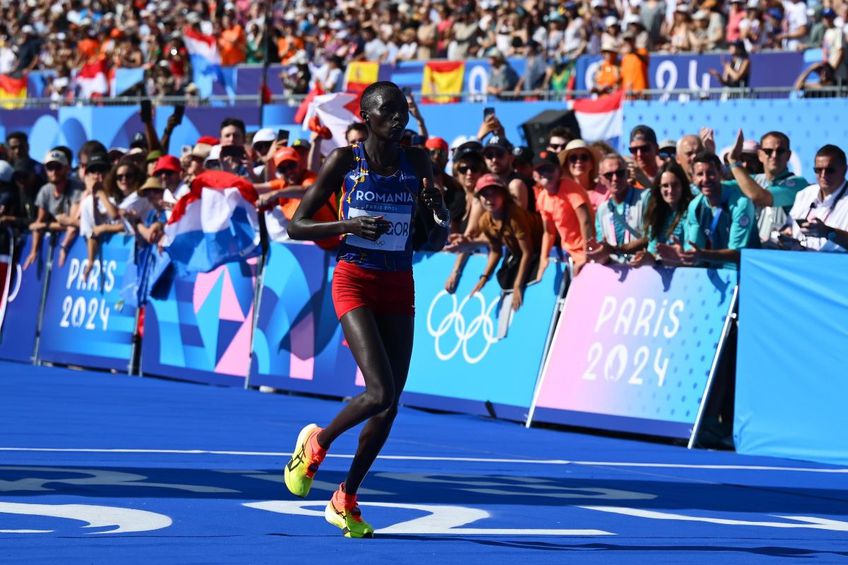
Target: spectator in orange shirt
x,y
608,75
288,44
292,181
232,44
634,66
88,49
565,209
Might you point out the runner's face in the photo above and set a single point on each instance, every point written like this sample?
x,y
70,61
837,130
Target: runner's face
x,y
388,115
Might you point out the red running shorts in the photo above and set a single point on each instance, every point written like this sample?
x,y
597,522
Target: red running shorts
x,y
384,292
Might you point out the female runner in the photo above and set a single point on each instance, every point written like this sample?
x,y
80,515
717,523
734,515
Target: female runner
x,y
373,292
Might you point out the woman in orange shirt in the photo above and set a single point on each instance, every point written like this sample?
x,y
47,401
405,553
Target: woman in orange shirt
x,y
233,42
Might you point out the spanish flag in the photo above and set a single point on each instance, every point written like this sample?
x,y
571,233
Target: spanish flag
x,y
360,74
442,77
12,88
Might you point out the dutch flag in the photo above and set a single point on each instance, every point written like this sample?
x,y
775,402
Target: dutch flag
x,y
215,223
600,119
205,60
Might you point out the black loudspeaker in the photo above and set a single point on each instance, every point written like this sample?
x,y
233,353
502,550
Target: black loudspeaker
x,y
537,128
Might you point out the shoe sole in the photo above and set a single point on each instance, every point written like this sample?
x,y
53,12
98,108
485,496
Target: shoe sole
x,y
338,521
287,474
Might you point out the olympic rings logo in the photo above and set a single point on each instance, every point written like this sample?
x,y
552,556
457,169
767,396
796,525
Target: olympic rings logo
x,y
462,331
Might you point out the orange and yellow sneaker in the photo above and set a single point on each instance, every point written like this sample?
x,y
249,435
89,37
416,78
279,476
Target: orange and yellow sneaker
x,y
306,458
343,512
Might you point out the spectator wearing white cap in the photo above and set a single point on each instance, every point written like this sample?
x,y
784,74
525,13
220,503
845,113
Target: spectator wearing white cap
x,y
261,146
58,205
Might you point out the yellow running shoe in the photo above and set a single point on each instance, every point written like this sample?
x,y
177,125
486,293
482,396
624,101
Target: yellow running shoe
x,y
343,512
303,465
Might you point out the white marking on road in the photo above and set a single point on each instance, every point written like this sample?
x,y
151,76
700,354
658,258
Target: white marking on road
x,y
712,467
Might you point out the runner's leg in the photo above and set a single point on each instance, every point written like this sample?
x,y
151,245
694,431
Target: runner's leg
x,y
366,343
396,333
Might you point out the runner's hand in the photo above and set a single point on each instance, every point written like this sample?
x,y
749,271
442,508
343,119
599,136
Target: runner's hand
x,y
368,227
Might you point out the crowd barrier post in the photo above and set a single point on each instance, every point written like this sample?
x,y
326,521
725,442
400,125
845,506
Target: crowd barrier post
x,y
725,330
50,241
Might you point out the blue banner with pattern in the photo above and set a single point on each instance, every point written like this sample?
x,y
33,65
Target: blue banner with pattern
x,y
17,336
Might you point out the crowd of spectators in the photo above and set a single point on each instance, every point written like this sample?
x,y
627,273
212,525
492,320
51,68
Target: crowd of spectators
x,y
316,38
665,202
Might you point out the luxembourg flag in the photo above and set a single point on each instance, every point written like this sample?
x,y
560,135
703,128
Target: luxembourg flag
x,y
335,111
91,80
205,60
215,223
600,119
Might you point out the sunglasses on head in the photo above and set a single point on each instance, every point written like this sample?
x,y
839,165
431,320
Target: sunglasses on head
x,y
465,169
578,158
612,174
780,151
823,170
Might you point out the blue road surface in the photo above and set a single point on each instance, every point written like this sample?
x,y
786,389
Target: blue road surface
x,y
101,468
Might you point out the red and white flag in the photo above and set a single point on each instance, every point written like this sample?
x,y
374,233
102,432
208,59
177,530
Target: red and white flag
x,y
92,81
335,111
215,223
602,118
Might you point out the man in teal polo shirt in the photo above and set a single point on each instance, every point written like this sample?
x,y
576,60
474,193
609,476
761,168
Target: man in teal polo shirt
x,y
719,222
772,192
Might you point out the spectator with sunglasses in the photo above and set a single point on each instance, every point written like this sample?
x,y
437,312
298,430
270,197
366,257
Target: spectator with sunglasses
x,y
774,191
619,220
644,166
58,205
558,138
667,151
719,223
665,213
820,214
498,156
580,165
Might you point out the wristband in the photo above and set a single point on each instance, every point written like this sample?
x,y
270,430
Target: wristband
x,y
484,276
737,164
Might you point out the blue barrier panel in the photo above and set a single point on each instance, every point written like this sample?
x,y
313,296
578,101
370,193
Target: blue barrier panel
x,y
808,123
298,344
84,323
633,349
17,338
457,361
199,328
791,381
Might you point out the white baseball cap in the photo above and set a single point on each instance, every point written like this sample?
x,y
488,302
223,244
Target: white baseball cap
x,y
214,154
264,135
56,156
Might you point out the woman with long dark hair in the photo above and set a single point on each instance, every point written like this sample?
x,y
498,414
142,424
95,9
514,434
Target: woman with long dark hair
x,y
665,214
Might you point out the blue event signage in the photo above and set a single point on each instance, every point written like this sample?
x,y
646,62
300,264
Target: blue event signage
x,y
17,338
198,327
84,321
791,381
634,348
298,343
458,361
